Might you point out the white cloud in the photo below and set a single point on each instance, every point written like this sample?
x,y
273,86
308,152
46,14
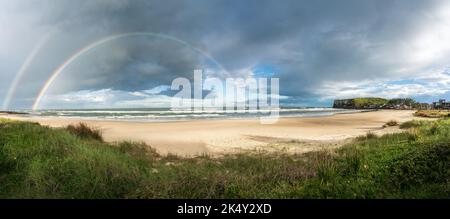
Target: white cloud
x,y
106,98
307,43
433,85
150,98
157,90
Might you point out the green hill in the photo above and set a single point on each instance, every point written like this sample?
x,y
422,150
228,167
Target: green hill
x,y
361,103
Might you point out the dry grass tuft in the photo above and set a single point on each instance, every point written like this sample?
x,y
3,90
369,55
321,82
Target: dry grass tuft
x,y
392,123
84,131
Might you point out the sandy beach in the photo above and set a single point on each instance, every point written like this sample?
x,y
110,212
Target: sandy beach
x,y
215,137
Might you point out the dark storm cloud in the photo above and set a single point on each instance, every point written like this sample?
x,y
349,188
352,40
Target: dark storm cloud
x,y
308,42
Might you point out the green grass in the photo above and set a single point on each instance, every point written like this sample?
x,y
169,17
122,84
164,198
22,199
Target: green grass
x,y
365,102
41,162
3,121
411,124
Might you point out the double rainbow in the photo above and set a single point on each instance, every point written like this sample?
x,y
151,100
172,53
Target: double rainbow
x,y
93,45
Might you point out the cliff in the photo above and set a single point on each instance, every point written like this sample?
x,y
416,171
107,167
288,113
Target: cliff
x,y
361,103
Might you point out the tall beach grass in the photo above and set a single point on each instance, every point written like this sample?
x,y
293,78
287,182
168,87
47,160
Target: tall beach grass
x,y
43,162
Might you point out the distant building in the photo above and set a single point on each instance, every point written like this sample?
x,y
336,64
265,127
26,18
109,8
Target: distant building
x,y
400,104
441,104
397,103
422,106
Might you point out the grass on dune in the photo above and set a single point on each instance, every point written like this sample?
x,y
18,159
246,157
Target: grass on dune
x,y
41,162
84,131
433,113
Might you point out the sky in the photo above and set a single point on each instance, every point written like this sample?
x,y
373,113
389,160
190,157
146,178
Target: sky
x,y
319,50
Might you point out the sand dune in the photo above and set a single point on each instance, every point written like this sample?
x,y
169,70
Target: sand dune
x,y
216,137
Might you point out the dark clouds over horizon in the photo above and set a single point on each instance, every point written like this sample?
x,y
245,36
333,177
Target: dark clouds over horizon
x,y
319,49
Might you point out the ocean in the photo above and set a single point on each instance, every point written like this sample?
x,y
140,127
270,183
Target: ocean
x,y
166,114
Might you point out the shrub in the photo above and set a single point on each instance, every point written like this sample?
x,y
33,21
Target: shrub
x,y
432,113
427,164
84,131
392,123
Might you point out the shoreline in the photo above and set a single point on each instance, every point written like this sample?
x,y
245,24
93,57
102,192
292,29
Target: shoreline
x,y
217,137
185,117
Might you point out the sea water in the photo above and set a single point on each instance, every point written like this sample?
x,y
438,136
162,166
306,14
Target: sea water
x,y
166,114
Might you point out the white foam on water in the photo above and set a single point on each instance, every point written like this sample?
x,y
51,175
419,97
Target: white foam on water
x,y
149,115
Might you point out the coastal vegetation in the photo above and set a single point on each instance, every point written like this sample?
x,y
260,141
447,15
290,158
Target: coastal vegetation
x,y
366,102
84,131
360,103
42,162
391,123
379,103
396,103
433,113
401,101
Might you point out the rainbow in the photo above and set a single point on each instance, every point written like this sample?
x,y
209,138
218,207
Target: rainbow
x,y
93,45
23,68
